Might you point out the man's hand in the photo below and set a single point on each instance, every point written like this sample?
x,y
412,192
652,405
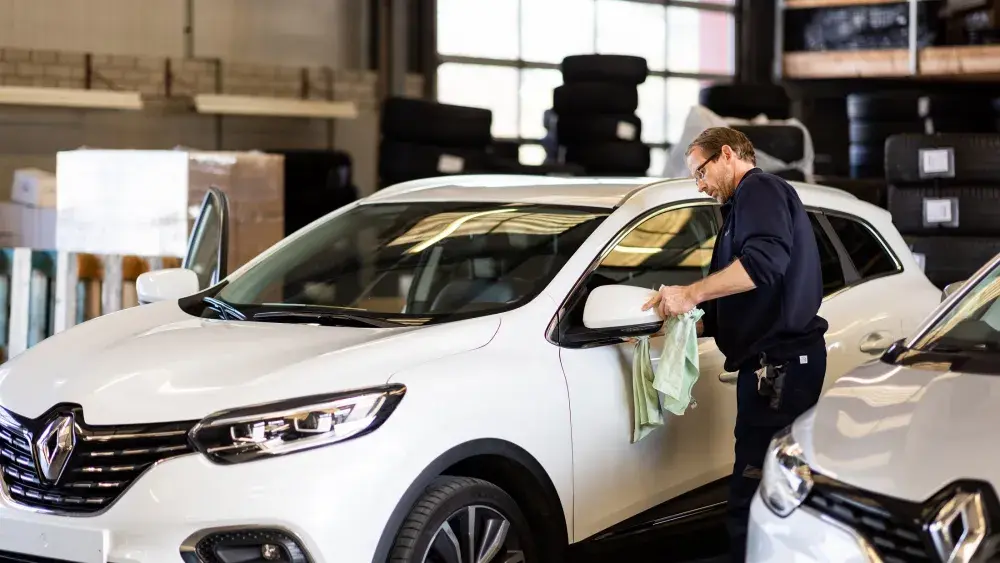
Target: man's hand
x,y
672,301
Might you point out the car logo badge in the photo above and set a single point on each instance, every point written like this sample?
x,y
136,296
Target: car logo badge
x,y
959,528
54,446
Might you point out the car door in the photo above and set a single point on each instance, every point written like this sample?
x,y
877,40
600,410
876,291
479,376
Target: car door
x,y
615,479
208,247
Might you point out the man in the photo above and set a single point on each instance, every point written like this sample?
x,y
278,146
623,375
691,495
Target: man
x,y
760,300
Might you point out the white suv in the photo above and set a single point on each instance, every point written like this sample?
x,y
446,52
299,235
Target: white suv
x,y
407,379
894,463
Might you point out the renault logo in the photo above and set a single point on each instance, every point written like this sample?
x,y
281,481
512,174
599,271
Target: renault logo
x,y
959,528
54,446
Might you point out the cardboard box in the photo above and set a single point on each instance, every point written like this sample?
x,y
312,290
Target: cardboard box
x,y
22,226
34,187
145,202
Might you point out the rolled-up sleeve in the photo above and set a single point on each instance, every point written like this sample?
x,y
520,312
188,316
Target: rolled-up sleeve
x,y
764,228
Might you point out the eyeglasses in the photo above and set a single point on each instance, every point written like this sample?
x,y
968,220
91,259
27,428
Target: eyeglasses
x,y
699,173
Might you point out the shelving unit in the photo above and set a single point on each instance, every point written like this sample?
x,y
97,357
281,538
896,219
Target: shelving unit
x,y
969,62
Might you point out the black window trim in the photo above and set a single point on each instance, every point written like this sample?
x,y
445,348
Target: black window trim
x,y
553,333
886,247
847,267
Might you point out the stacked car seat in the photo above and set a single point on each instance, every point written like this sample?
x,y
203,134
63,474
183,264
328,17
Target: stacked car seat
x,y
593,123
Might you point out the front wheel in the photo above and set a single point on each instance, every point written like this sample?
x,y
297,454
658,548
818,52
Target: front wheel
x,y
464,520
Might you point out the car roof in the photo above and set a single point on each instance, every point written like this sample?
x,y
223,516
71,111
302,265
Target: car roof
x,y
599,192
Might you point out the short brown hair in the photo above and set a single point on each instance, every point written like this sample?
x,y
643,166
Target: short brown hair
x,y
712,139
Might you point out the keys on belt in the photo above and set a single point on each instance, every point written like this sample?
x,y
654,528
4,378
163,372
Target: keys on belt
x,y
771,381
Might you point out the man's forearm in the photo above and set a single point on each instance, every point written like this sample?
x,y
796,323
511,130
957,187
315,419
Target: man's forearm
x,y
730,280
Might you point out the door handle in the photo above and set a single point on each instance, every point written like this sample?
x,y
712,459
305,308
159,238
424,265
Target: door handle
x,y
876,342
729,377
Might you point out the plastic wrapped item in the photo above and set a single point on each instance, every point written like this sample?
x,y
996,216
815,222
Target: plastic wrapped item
x,y
701,118
881,26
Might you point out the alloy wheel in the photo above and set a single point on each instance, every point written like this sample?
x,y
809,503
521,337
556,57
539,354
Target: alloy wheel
x,y
475,534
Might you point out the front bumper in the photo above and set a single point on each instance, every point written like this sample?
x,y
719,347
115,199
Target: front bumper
x,y
804,536
334,500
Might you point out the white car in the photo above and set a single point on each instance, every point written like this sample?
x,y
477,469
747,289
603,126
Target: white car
x,y
407,379
894,463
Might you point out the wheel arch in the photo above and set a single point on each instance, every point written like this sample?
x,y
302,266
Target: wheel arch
x,y
502,463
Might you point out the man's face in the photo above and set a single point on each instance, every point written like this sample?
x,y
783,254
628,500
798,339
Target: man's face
x,y
709,170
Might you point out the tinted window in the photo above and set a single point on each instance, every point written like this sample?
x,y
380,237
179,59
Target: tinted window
x,y
869,256
833,270
670,248
434,261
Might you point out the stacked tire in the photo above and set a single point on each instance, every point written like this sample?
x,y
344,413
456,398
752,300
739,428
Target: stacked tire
x,y
422,139
874,117
595,121
746,101
944,197
784,142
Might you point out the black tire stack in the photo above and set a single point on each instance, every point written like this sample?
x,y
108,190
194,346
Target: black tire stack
x,y
873,117
595,120
316,183
422,139
784,142
970,198
746,101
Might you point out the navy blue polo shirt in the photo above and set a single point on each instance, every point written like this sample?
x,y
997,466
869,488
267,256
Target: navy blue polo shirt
x,y
766,227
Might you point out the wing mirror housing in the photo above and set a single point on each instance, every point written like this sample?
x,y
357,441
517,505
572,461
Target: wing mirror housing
x,y
950,289
616,311
166,285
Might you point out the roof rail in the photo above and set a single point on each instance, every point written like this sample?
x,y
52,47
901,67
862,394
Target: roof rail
x,y
491,181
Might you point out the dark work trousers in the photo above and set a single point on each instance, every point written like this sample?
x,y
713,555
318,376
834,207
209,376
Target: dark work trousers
x,y
756,424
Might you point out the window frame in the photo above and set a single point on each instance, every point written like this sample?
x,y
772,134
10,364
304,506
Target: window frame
x,y
855,278
557,329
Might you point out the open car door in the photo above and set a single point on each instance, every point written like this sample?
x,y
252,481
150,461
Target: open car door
x,y
208,248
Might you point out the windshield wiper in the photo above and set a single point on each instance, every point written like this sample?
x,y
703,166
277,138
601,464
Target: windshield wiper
x,y
325,318
225,310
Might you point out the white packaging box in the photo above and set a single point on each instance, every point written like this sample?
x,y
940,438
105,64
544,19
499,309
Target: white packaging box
x,y
27,227
34,187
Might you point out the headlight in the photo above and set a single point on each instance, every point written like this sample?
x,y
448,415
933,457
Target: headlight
x,y
786,477
296,425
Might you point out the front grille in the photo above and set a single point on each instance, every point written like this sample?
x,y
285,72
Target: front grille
x,y
893,528
102,465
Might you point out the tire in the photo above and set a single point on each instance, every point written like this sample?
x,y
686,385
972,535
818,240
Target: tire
x,y
425,122
977,157
582,98
952,259
618,69
911,105
978,210
870,190
399,162
611,159
783,142
586,129
443,501
512,166
746,101
867,161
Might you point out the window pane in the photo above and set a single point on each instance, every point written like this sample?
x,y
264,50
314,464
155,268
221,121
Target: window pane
x,y
682,94
537,85
477,28
700,41
632,28
652,109
829,260
658,160
670,248
868,255
532,155
490,87
553,29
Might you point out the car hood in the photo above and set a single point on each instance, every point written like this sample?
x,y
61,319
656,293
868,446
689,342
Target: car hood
x,y
904,431
155,363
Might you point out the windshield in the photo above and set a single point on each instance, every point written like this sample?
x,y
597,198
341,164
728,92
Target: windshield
x,y
429,262
972,324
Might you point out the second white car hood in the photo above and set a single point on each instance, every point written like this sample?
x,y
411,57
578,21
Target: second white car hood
x,y
905,432
156,363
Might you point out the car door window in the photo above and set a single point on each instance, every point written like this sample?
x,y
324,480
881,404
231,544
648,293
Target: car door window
x,y
833,269
672,247
870,257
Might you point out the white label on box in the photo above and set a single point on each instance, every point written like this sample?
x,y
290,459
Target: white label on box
x,y
921,260
450,164
937,210
626,131
923,106
935,161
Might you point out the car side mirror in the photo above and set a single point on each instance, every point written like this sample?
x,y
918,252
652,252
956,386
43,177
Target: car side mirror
x,y
616,311
166,285
950,289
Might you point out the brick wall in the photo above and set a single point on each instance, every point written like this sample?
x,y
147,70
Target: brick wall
x,y
23,67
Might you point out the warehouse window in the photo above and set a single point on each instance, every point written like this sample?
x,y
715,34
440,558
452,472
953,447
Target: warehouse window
x,y
504,55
